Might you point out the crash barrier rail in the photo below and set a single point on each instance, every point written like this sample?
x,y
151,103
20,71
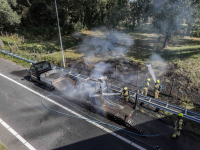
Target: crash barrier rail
x,y
141,98
17,56
163,105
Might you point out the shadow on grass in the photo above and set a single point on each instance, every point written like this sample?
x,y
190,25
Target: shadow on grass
x,y
188,42
179,54
144,47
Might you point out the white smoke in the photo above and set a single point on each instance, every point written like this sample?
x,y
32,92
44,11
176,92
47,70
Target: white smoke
x,y
106,42
99,70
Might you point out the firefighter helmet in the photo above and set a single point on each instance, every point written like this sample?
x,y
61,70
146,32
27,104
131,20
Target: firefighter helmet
x,y
148,79
157,81
180,115
125,88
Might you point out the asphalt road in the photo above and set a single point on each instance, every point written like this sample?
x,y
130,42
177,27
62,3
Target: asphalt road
x,y
44,129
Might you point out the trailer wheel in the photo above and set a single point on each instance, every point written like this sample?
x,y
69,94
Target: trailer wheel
x,y
29,78
92,109
50,88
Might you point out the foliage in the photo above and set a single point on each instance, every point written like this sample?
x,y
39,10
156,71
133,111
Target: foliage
x,y
7,14
169,15
38,17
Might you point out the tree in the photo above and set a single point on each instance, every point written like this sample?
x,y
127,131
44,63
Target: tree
x,y
169,15
7,15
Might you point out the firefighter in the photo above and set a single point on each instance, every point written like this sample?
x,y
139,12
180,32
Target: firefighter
x,y
156,89
145,87
125,94
178,125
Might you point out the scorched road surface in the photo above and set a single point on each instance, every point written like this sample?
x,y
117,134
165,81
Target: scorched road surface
x,y
22,110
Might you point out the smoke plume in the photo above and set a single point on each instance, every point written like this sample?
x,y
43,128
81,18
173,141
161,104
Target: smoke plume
x,y
106,42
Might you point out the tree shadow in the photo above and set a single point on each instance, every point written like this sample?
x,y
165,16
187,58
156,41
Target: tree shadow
x,y
181,54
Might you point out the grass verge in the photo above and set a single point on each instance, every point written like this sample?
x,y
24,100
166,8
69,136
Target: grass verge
x,y
2,146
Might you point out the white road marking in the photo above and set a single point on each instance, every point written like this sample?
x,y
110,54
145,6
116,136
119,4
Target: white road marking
x,y
75,113
17,135
21,139
124,139
29,146
5,125
13,131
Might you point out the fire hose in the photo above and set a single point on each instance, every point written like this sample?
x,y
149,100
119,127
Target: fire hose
x,y
100,122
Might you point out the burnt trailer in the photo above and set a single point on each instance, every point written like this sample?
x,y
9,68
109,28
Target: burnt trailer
x,y
95,94
98,97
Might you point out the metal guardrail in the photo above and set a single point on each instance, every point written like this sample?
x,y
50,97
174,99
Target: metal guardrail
x,y
164,105
142,98
17,56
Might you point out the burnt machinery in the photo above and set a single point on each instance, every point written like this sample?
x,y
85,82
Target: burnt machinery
x,y
95,95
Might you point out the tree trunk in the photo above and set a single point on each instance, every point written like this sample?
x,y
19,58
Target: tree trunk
x,y
188,29
67,13
168,35
1,43
138,20
166,41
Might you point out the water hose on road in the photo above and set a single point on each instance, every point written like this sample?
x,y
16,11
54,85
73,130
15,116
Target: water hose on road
x,y
98,121
156,147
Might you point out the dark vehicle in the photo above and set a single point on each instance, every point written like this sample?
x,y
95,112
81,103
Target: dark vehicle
x,y
44,73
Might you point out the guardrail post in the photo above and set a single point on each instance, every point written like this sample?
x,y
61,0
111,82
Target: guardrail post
x,y
136,99
186,112
116,72
171,88
137,78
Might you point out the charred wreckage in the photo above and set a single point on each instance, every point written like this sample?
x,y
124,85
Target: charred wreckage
x,y
96,95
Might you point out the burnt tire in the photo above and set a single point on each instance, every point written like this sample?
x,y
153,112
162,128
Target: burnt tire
x,y
50,88
29,79
92,109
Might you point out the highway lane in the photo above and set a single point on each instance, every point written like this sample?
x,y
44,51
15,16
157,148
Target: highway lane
x,y
44,129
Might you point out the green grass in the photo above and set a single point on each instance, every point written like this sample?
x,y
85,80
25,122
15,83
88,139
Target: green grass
x,y
182,51
43,50
18,61
2,146
39,46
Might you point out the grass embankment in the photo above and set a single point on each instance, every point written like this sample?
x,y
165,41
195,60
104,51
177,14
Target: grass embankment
x,y
2,146
42,50
183,51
